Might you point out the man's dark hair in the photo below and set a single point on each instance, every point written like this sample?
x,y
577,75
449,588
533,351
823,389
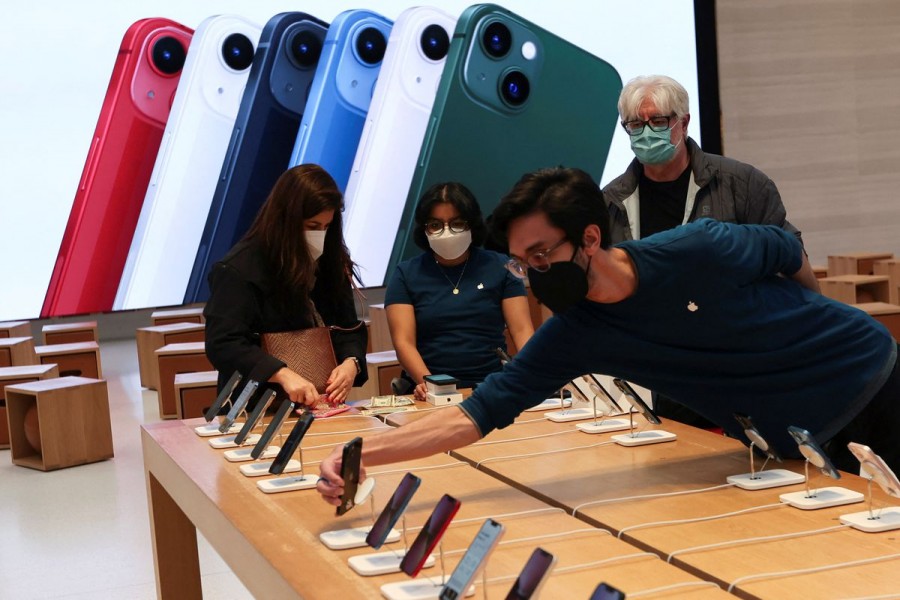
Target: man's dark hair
x,y
462,199
569,197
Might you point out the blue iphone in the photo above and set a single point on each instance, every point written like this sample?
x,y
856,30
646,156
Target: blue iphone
x,y
341,92
263,135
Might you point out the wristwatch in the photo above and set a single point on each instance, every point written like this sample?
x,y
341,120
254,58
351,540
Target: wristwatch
x,y
355,362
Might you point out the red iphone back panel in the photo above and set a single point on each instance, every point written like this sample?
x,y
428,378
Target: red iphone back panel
x,y
117,170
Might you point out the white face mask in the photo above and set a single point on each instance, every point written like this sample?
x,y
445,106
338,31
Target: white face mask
x,y
449,245
315,241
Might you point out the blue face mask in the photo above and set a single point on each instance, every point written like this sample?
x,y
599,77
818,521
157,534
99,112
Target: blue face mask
x,y
653,147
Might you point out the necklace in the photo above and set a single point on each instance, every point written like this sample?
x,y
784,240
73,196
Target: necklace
x,y
444,273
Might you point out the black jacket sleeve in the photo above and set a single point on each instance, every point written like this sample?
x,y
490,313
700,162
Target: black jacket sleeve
x,y
341,312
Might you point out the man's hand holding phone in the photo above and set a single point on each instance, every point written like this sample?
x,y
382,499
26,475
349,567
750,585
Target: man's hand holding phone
x,y
331,485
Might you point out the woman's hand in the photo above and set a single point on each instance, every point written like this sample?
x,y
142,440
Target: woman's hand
x,y
340,381
420,392
298,389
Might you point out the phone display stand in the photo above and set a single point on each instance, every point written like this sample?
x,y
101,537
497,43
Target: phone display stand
x,y
243,454
871,520
642,438
382,563
601,425
212,429
262,467
354,537
550,404
762,479
820,498
426,588
227,441
287,484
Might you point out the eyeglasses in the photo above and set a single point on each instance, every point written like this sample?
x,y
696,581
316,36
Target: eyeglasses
x,y
538,260
656,123
436,227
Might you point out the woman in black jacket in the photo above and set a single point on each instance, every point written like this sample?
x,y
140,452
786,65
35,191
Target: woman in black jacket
x,y
290,271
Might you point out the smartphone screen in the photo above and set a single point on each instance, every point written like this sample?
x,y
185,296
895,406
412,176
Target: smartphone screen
x,y
274,426
636,401
261,407
238,405
393,510
350,462
473,560
229,386
293,442
430,535
604,591
532,576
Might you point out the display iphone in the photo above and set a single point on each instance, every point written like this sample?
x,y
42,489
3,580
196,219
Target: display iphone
x,y
253,419
756,437
238,405
350,465
811,450
274,426
341,92
393,510
224,394
636,401
512,98
877,469
392,136
533,575
292,443
188,164
473,560
604,591
599,391
117,170
262,138
429,535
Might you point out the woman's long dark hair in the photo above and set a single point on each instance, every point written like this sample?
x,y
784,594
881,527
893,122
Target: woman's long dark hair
x,y
301,193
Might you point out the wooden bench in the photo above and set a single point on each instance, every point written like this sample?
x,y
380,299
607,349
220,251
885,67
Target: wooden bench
x,y
195,392
885,313
192,314
855,289
15,376
17,352
81,359
891,268
857,263
172,359
10,329
70,333
150,339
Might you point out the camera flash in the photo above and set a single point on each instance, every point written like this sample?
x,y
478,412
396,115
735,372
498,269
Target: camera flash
x,y
529,50
151,94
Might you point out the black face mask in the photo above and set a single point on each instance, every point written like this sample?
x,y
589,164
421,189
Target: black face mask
x,y
561,286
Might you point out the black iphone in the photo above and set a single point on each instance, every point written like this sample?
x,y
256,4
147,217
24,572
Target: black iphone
x,y
261,407
350,463
532,576
292,443
229,386
238,405
636,401
393,510
274,426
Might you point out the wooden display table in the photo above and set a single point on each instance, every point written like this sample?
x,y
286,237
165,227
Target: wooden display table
x,y
150,339
73,419
17,352
70,333
10,329
891,268
261,535
855,289
192,314
194,393
886,314
81,359
858,263
172,359
15,376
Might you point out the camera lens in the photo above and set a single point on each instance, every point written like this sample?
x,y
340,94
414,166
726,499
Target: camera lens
x,y
168,55
237,51
305,49
370,46
497,39
515,88
435,42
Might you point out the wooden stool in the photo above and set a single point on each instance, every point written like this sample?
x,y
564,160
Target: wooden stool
x,y
73,422
820,271
858,263
891,268
855,289
15,329
17,352
195,392
15,376
70,333
172,359
179,315
886,314
150,339
81,359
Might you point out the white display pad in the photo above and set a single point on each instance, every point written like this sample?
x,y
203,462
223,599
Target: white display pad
x,y
355,537
243,454
212,429
885,519
571,414
423,588
262,468
822,498
381,563
550,404
763,480
604,426
228,441
287,484
364,491
643,438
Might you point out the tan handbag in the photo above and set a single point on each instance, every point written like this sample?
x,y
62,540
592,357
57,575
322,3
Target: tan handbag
x,y
307,352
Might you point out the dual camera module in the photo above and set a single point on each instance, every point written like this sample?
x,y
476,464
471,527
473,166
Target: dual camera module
x,y
496,40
